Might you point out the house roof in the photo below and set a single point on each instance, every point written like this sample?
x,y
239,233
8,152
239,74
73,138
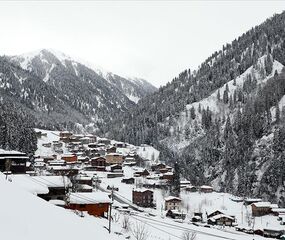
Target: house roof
x,y
53,181
262,204
279,210
57,202
89,198
171,198
84,186
142,190
206,187
214,218
177,212
4,152
29,184
83,177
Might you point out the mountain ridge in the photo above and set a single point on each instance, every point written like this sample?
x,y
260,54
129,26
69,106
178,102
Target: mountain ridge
x,y
217,142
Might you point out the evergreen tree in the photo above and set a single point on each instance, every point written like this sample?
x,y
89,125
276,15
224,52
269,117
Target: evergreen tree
x,y
192,113
277,113
218,95
226,97
175,186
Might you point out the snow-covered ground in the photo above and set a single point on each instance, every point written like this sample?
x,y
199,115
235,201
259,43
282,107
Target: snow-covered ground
x,y
24,216
154,220
194,202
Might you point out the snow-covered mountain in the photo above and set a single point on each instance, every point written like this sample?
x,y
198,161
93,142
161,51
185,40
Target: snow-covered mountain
x,y
60,92
50,65
224,122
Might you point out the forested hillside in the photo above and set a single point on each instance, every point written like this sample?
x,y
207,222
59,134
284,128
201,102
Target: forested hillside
x,y
223,122
16,131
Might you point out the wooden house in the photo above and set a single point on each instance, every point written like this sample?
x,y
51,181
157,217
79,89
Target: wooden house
x,y
47,145
157,167
261,208
69,158
198,217
167,176
120,144
143,197
114,174
85,140
278,211
217,212
83,188
13,161
142,173
104,141
83,159
83,179
130,160
222,220
112,149
57,185
99,163
175,214
65,134
173,203
128,180
114,158
273,232
206,189
92,137
95,203
116,168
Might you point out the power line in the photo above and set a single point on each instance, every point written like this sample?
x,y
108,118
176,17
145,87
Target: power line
x,y
183,228
171,234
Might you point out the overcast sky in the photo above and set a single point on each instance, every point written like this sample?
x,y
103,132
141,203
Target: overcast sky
x,y
153,40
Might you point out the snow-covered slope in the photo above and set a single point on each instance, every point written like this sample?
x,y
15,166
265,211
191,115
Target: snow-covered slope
x,y
45,61
218,108
24,216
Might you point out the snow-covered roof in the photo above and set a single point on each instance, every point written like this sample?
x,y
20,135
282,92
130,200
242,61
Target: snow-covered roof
x,y
253,199
278,210
206,187
214,218
89,198
262,204
170,198
57,202
82,177
141,190
53,181
29,184
68,155
168,173
114,154
4,152
185,182
84,186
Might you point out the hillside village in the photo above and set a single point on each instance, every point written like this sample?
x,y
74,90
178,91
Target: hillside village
x,y
127,184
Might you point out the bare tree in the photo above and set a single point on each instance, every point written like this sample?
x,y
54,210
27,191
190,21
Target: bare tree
x,y
139,231
116,217
126,222
189,235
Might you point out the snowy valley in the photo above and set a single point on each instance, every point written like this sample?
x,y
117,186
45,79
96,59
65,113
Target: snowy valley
x,y
88,167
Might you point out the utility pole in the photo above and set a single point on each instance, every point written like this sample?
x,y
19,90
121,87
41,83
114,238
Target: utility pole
x,y
110,214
